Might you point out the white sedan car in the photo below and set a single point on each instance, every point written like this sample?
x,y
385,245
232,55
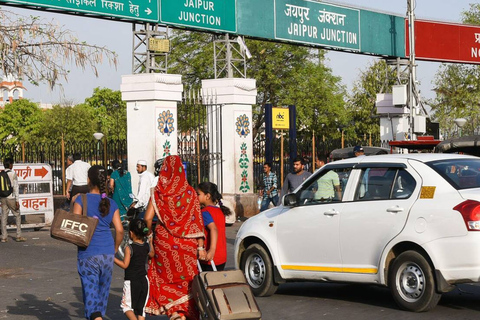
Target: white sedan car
x,y
409,222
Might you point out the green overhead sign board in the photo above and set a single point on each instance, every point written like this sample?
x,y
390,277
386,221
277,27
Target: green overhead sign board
x,y
214,15
135,10
307,22
322,24
317,24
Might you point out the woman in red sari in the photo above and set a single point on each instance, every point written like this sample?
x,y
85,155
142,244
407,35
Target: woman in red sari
x,y
177,241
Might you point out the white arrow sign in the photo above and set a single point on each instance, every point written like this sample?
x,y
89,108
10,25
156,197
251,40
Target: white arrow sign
x,y
148,11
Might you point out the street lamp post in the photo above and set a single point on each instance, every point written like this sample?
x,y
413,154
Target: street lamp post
x,y
460,122
98,136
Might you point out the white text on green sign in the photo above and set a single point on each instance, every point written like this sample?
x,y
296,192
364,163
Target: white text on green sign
x,y
137,10
217,15
317,23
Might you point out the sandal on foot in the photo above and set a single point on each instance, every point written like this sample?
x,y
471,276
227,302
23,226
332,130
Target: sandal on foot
x,y
3,240
21,239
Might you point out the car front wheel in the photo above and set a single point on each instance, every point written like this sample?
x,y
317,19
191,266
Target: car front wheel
x,y
258,269
412,282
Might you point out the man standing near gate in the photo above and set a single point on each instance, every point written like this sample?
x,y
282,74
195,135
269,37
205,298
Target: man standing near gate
x,y
76,175
10,203
144,185
295,179
269,193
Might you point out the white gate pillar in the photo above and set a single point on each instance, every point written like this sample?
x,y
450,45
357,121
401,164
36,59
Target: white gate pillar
x,y
236,95
152,125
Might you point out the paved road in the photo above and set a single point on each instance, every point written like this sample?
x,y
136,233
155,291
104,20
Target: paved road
x,y
38,280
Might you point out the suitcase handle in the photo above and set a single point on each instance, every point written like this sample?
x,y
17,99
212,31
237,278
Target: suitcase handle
x,y
214,267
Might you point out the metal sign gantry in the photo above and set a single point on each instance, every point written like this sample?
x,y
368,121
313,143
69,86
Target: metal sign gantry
x,y
148,56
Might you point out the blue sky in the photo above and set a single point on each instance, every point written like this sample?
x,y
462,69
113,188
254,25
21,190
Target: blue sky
x,y
117,36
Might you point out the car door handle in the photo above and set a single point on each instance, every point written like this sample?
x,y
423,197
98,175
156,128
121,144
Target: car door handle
x,y
332,212
395,209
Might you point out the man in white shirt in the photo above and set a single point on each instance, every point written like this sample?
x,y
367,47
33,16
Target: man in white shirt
x,y
144,184
77,175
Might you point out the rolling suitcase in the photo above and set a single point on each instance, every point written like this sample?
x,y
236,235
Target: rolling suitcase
x,y
224,295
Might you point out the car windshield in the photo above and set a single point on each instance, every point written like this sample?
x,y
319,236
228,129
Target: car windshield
x,y
461,173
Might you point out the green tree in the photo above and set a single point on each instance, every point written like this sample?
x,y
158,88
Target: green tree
x,y
472,16
110,112
319,98
458,90
192,57
20,122
284,74
377,78
275,67
458,93
70,122
104,111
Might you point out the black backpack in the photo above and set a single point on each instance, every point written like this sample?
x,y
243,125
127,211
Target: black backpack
x,y
6,188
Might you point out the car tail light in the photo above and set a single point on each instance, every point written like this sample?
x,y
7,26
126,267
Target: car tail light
x,y
470,211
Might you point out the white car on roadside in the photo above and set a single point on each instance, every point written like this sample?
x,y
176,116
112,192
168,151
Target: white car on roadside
x,y
410,222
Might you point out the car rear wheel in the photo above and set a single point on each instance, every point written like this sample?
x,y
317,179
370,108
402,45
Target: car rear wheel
x,y
258,269
412,282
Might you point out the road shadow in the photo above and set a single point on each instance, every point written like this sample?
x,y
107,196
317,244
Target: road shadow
x,y
358,293
41,309
466,296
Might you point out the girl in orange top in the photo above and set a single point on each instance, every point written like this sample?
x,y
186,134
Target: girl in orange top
x,y
214,221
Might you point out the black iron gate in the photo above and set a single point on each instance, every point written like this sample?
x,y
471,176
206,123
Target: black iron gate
x,y
199,138
55,153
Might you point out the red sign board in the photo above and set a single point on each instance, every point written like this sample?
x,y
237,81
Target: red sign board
x,y
447,42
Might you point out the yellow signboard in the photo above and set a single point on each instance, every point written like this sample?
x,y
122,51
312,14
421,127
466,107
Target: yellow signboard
x,y
159,45
280,118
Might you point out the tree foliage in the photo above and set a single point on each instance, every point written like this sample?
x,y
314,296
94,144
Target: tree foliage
x,y
39,50
472,16
319,98
70,122
110,112
284,74
377,78
192,57
458,93
104,111
19,122
458,90
275,67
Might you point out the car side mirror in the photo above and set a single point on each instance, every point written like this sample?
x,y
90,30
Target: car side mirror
x,y
290,200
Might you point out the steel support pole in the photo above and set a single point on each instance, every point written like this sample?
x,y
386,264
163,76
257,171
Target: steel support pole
x,y
292,139
412,67
229,56
269,134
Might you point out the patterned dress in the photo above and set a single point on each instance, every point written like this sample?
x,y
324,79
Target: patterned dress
x,y
174,265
